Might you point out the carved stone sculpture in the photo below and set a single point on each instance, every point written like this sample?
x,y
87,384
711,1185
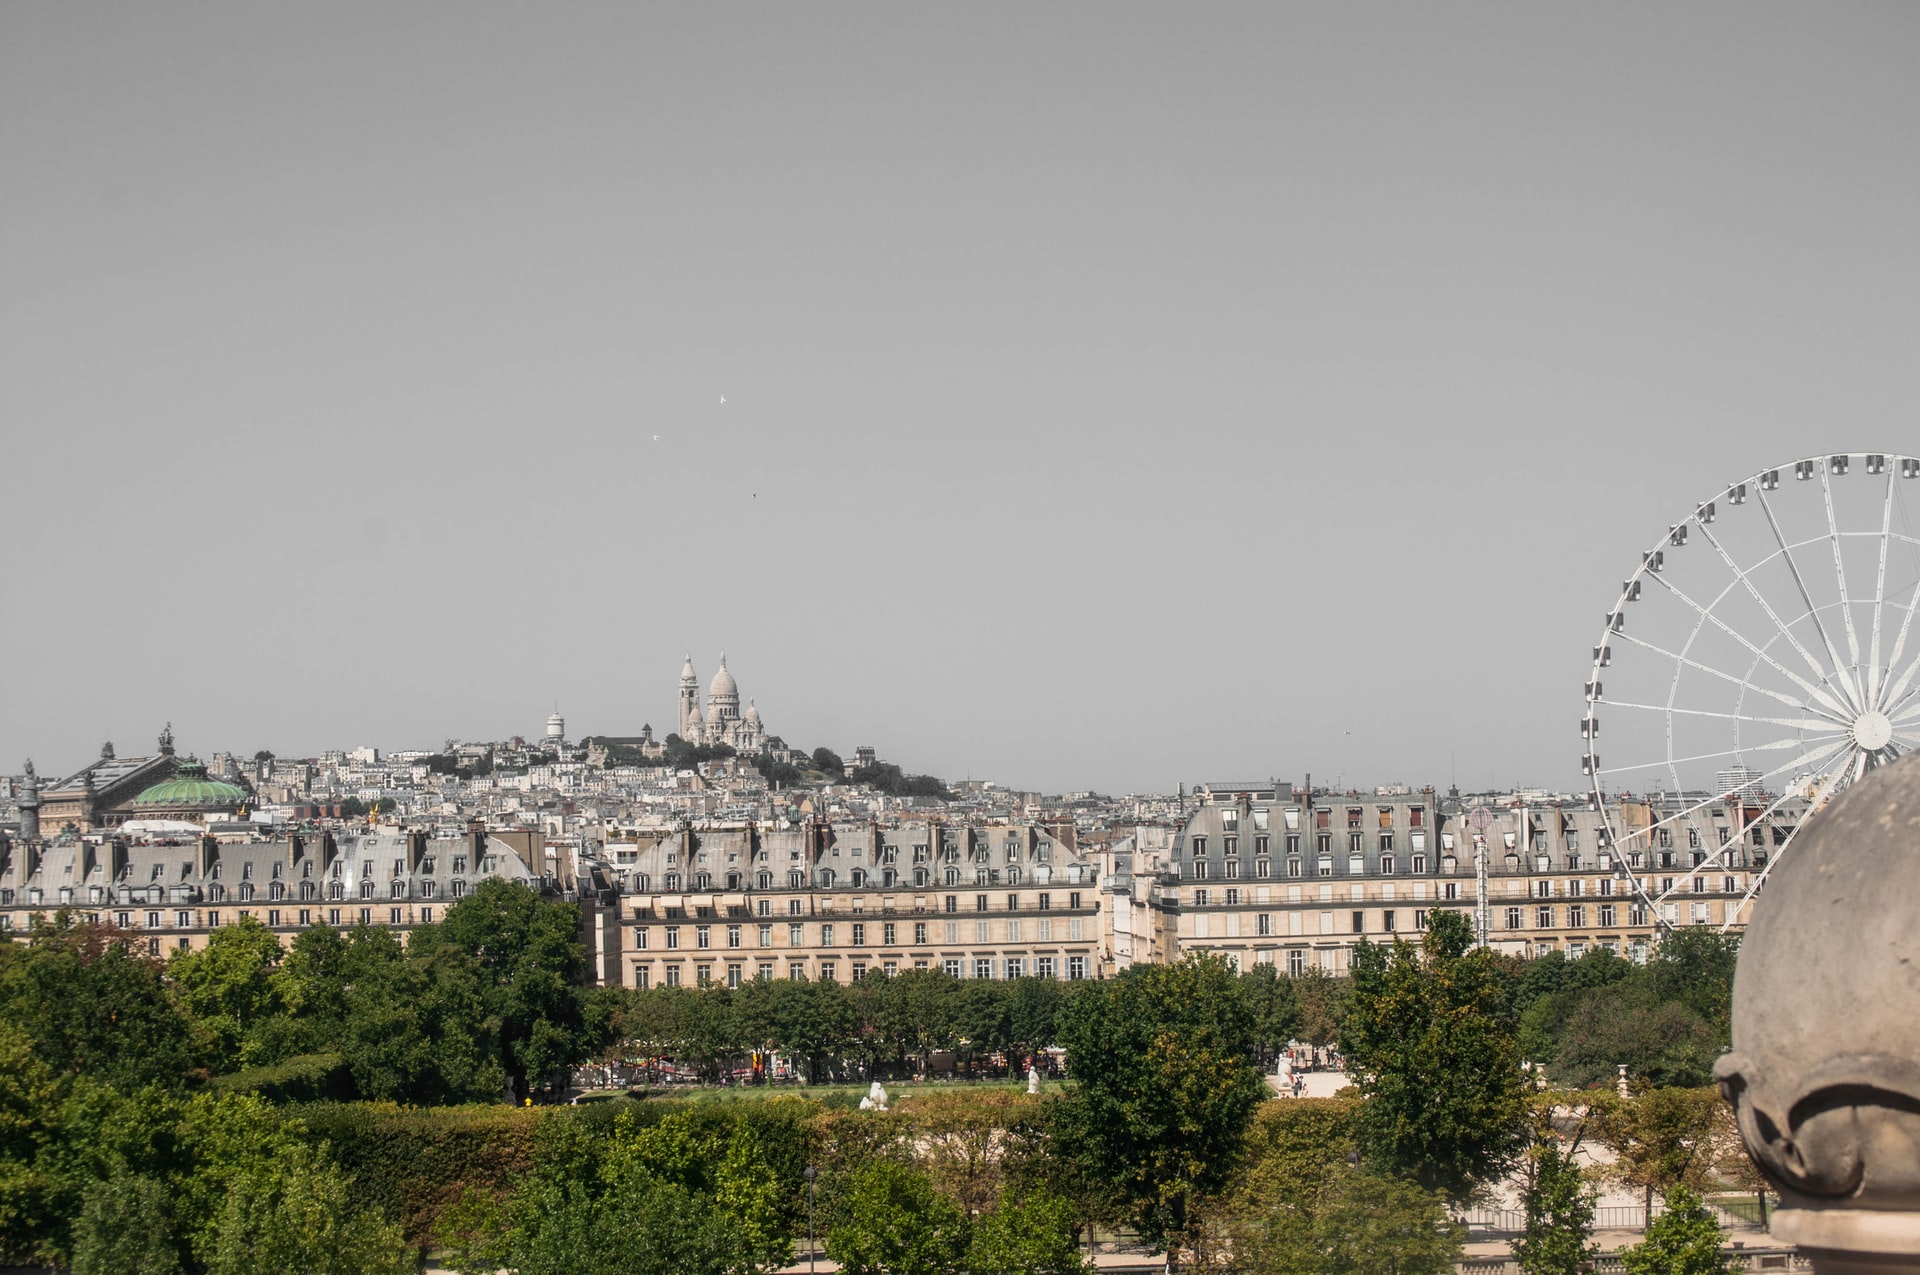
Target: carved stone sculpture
x,y
1825,1067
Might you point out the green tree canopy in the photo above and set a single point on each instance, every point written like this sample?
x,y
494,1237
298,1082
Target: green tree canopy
x,y
1164,1088
1429,1034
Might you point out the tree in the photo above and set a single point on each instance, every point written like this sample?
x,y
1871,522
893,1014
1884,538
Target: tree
x,y
92,1007
1322,1001
227,989
1559,1205
1685,1240
1375,1224
1031,1235
1273,1006
894,1223
825,759
1429,1034
297,1216
1661,1138
1164,1089
527,954
126,1227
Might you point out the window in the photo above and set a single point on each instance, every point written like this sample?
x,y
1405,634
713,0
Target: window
x,y
733,975
766,936
983,967
1577,916
1293,867
919,931
979,903
1607,915
1046,902
1296,962
859,934
793,907
1543,918
1013,930
1449,889
827,969
887,934
1264,924
1016,967
673,976
1231,845
1200,897
1200,870
796,971
1419,918
640,937
673,936
1417,864
1233,898
1516,919
951,968
795,935
826,936
1386,921
1359,922
1076,968
703,936
642,977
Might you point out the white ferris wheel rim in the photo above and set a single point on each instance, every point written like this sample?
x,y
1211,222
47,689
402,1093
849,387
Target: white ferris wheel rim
x,y
1865,708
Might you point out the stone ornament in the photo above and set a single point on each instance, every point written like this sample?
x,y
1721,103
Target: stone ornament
x,y
1824,1073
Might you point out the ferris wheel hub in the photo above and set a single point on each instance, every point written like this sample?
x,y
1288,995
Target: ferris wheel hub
x,y
1872,731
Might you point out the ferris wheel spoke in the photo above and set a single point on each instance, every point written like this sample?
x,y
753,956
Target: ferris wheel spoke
x,y
1716,861
1893,691
1774,746
1786,556
1759,598
1816,795
1796,723
1812,690
1692,663
1872,695
1846,605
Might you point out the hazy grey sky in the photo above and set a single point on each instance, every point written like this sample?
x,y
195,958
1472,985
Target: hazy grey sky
x,y
1115,395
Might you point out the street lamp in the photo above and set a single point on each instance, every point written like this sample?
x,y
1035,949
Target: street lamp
x,y
810,1173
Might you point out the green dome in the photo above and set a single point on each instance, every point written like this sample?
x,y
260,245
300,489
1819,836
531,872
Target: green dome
x,y
192,789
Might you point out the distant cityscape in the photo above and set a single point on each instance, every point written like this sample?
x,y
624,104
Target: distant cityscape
x,y
719,852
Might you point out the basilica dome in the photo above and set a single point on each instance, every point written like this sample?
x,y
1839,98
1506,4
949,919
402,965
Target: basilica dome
x,y
723,685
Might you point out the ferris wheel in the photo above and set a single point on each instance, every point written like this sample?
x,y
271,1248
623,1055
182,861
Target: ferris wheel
x,y
1762,656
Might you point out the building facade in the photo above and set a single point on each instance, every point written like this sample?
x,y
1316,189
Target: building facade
x,y
817,899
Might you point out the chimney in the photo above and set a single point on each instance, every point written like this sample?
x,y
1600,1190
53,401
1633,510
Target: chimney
x,y
209,855
329,851
296,847
477,836
416,849
117,862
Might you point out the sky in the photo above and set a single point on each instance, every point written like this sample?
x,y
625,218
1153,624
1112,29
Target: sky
x,y
1114,395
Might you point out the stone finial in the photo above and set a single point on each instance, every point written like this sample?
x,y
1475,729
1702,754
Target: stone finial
x,y
1824,1074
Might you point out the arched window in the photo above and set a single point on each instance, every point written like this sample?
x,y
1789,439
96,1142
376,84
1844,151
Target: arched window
x,y
673,882
703,880
639,880
919,876
459,889
953,876
426,889
733,880
1013,876
216,893
859,878
982,876
309,891
335,890
399,889
246,891
796,879
277,891
764,880
366,889
889,878
826,878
